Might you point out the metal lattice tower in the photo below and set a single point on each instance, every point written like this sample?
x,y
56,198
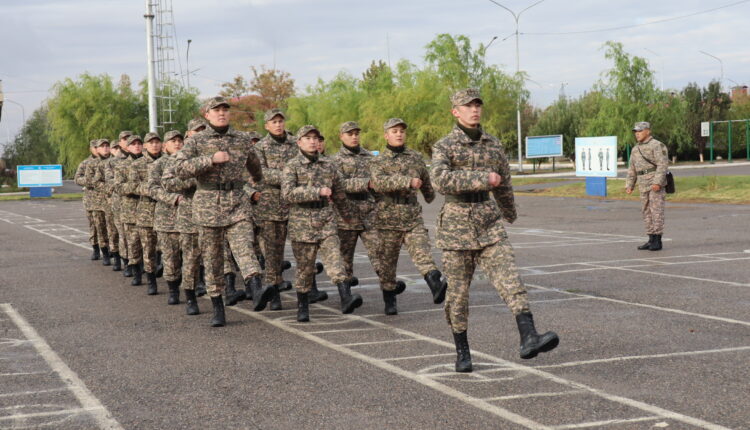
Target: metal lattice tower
x,y
166,56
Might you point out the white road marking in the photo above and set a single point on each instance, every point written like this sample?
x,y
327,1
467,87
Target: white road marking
x,y
494,305
670,275
378,342
531,395
604,423
343,330
80,245
75,411
32,393
24,373
71,379
417,357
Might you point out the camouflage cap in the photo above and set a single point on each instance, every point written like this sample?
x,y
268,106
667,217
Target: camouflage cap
x,y
100,142
215,102
114,143
640,126
272,113
254,135
349,126
151,135
125,134
92,143
465,96
134,137
306,129
172,134
195,124
393,122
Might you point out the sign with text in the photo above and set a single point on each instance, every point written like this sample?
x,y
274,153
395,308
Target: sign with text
x,y
705,129
596,156
544,146
45,175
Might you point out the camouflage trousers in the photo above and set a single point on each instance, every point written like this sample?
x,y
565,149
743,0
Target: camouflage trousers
x,y
305,254
272,240
211,242
169,244
497,261
348,239
652,208
417,242
190,259
230,264
147,235
114,235
100,224
93,240
135,251
123,236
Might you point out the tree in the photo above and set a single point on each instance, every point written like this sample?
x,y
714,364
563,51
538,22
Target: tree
x,y
274,86
237,88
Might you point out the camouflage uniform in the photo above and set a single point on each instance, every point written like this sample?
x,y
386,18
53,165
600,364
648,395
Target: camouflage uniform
x,y
469,226
129,205
220,202
165,217
354,168
97,199
138,174
116,202
312,222
271,211
646,175
80,178
398,217
113,204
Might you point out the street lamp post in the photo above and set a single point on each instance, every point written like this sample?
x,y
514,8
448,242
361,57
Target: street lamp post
x,y
516,17
187,62
23,116
721,64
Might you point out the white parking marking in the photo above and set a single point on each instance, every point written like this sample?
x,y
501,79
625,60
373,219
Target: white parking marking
x,y
532,395
604,423
670,275
32,393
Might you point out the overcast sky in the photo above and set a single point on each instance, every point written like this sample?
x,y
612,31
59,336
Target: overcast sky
x,y
44,41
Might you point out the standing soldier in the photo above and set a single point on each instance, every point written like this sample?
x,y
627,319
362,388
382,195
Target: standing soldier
x,y
165,215
197,125
309,182
398,173
649,162
468,165
272,212
217,158
129,207
98,202
80,178
114,225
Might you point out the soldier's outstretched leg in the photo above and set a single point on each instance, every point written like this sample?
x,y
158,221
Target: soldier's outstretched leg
x,y
190,261
459,268
303,307
330,253
315,294
390,246
240,238
232,296
211,242
304,255
417,243
169,243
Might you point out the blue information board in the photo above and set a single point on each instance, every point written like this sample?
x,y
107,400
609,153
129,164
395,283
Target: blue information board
x,y
44,175
544,146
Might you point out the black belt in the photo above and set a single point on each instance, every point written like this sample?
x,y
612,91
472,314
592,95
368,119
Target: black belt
x,y
221,186
357,196
314,205
479,197
645,171
400,200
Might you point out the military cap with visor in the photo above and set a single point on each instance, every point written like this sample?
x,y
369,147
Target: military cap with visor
x,y
92,143
171,134
640,126
306,129
465,96
215,102
134,138
349,126
394,122
100,142
271,113
125,134
195,124
151,135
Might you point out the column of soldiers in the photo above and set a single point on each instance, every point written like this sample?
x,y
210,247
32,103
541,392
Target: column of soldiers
x,y
226,201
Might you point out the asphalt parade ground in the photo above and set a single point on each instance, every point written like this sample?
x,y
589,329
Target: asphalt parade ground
x,y
648,339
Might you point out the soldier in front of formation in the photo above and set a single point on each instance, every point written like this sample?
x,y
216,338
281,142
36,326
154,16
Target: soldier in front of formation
x,y
312,185
398,174
94,178
469,166
80,178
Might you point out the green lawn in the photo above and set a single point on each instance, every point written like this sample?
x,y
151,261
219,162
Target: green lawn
x,y
534,180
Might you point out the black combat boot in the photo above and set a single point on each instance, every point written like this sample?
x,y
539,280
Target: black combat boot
x,y
200,284
319,267
437,285
219,319
315,294
105,257
95,254
354,281
463,354
159,265
118,265
531,342
303,307
261,295
128,272
151,291
349,301
647,245
135,269
656,244
389,297
192,303
276,299
284,286
400,287
174,292
286,265
233,296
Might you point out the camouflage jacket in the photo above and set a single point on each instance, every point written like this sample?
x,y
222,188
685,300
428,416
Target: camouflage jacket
x,y
94,178
273,157
80,180
138,174
165,214
129,201
391,173
460,166
115,199
220,199
311,217
355,174
184,187
643,172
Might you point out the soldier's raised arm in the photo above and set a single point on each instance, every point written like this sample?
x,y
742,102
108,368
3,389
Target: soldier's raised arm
x,y
173,184
190,163
449,181
294,193
427,191
503,193
254,167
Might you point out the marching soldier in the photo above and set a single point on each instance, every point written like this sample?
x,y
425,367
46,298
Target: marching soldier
x,y
80,178
467,166
649,163
114,224
398,173
165,215
217,158
128,189
309,182
98,202
197,125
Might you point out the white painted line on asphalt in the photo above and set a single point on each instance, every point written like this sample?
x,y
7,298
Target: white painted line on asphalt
x,y
532,395
494,305
670,275
80,245
595,267
24,373
643,305
75,411
417,357
379,342
71,379
33,393
605,423
344,330
653,259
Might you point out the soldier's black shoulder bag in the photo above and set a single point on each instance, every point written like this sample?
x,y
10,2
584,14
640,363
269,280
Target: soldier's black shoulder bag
x,y
670,189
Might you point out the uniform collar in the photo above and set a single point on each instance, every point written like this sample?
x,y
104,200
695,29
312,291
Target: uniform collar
x,y
362,152
273,141
305,160
462,137
650,138
212,132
